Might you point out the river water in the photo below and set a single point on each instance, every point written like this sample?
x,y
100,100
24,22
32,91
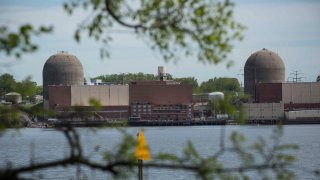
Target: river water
x,y
19,148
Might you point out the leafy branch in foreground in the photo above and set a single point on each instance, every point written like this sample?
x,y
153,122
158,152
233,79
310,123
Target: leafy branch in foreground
x,y
204,27
17,43
274,160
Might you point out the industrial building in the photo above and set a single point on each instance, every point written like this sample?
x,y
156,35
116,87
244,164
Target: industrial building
x,y
160,100
113,100
271,98
294,96
65,93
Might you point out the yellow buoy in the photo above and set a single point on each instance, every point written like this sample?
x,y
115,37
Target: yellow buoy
x,y
142,152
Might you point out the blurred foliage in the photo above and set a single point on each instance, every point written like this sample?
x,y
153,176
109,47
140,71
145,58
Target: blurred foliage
x,y
230,105
18,43
95,103
123,152
224,106
9,117
37,110
269,160
260,159
205,29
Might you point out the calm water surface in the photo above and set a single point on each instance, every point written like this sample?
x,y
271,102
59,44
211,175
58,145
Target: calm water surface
x,y
40,145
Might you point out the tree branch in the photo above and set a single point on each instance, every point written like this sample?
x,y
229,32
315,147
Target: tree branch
x,y
118,19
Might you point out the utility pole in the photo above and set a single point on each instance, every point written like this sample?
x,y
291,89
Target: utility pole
x,y
295,76
241,74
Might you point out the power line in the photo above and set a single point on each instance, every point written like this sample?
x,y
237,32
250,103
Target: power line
x,y
296,76
242,76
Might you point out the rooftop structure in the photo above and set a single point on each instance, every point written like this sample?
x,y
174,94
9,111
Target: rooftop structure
x,y
162,75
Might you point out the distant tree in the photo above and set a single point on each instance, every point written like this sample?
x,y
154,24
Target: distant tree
x,y
7,83
27,88
226,85
125,78
318,78
188,80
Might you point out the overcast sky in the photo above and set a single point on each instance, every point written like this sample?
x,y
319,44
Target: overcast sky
x,y
289,28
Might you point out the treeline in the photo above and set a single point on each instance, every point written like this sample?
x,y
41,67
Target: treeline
x,y
27,88
125,78
223,84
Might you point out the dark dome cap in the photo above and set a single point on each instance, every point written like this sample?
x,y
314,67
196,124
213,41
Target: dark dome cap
x,y
265,59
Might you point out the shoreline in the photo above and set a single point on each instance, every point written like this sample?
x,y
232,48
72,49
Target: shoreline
x,y
101,123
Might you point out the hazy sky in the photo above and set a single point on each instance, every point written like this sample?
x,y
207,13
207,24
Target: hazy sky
x,y
289,28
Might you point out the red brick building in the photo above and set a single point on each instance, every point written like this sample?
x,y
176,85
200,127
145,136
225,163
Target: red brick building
x,y
160,100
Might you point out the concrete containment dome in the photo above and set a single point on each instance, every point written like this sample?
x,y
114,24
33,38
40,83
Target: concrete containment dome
x,y
263,66
62,69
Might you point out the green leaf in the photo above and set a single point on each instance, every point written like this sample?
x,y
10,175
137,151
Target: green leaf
x,y
200,11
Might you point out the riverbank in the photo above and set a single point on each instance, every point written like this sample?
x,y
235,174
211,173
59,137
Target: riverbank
x,y
95,123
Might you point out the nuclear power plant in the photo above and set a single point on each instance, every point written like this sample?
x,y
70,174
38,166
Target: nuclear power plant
x,y
65,92
271,98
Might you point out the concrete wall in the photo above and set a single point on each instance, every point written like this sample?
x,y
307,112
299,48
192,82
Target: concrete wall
x,y
107,95
263,111
80,95
303,114
301,92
